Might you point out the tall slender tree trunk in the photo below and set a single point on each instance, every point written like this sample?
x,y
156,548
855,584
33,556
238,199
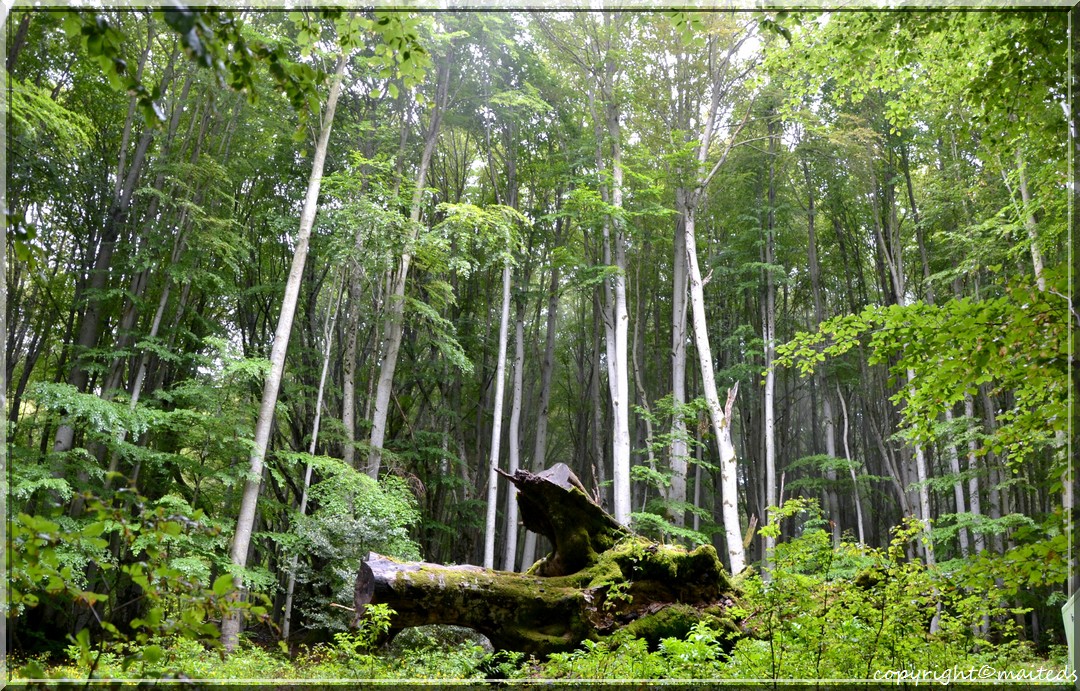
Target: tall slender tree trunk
x,y
496,422
1031,223
514,434
598,64
395,309
245,522
90,325
851,470
348,358
973,499
616,318
827,413
679,447
638,367
958,486
599,469
768,326
687,200
729,487
920,234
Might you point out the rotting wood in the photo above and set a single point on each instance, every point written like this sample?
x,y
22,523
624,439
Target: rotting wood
x,y
599,579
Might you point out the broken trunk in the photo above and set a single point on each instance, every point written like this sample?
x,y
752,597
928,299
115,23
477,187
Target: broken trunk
x,y
600,578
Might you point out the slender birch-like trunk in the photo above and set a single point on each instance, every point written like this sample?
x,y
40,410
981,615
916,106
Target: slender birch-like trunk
x,y
688,197
768,325
1030,223
729,486
514,439
851,469
958,486
616,318
496,423
679,447
245,521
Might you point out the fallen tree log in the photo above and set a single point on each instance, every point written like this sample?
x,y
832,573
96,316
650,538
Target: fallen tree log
x,y
599,578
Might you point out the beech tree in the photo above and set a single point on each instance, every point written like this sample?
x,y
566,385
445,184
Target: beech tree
x,y
245,521
598,61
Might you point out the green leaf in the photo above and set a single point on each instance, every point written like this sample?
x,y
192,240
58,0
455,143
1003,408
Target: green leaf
x,y
223,584
152,654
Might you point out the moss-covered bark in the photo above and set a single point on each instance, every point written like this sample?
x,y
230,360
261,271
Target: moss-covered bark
x,y
599,579
554,504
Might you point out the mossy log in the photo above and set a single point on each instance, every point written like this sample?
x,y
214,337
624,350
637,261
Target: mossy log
x,y
600,578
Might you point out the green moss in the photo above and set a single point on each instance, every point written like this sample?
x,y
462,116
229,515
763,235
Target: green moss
x,y
637,588
741,578
605,573
640,559
674,621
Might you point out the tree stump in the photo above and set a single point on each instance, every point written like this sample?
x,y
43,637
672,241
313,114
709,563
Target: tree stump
x,y
600,578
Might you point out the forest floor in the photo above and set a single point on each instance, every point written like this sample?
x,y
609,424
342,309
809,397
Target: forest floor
x,y
442,654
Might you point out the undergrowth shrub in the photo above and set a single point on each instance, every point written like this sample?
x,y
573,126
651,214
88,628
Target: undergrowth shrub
x,y
849,611
820,612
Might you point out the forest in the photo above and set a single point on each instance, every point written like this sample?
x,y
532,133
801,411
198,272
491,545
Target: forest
x,y
292,293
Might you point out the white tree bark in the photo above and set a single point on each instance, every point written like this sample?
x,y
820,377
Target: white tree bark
x,y
514,440
496,423
958,485
851,470
729,487
768,310
618,377
616,319
923,474
619,384
768,322
245,521
1030,223
679,448
598,64
687,199
974,502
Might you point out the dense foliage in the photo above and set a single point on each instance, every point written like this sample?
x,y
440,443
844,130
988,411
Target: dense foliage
x,y
286,288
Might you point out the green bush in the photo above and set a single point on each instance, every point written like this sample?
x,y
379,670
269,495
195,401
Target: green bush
x,y
352,515
116,568
846,612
